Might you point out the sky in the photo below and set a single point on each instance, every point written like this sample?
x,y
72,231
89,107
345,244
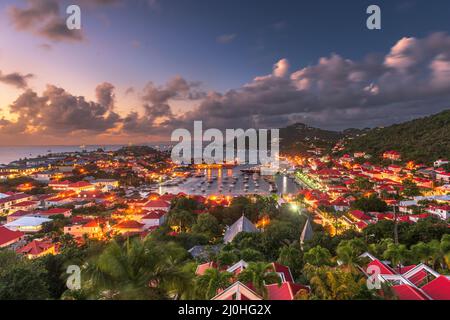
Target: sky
x,y
139,69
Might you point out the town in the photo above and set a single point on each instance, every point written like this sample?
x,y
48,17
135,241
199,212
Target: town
x,y
113,211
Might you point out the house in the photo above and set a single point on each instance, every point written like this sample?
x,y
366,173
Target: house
x,y
9,237
27,224
106,184
241,225
38,248
443,177
93,229
54,212
440,162
415,282
442,212
59,185
16,215
128,226
154,218
6,203
156,205
24,206
392,155
81,186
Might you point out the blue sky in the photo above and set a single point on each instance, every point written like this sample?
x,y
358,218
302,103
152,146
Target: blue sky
x,y
223,45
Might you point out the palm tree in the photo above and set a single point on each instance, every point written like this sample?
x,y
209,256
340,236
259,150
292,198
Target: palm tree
x,y
397,253
333,284
259,274
317,256
421,251
348,252
138,270
211,281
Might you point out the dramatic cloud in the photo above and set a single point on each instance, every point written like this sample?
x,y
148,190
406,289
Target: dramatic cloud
x,y
16,79
411,80
56,112
43,18
158,117
225,38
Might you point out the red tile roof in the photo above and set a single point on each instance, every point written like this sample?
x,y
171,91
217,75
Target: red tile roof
x,y
157,204
286,291
201,268
36,247
384,269
128,224
438,289
7,235
406,292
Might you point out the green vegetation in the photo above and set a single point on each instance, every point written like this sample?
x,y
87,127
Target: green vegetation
x,y
422,140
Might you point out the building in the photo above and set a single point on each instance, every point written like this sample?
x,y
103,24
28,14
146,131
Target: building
x,y
9,237
128,227
442,212
27,224
38,248
240,291
156,205
415,282
93,229
443,177
392,155
106,184
6,203
241,225
154,218
440,163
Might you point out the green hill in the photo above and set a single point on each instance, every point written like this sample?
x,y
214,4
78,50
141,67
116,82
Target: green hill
x,y
299,137
422,140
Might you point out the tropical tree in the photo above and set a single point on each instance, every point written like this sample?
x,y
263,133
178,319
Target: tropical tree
x,y
330,283
259,274
397,253
317,256
211,281
182,219
348,252
138,270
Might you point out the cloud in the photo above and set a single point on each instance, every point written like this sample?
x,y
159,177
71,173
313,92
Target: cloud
x,y
16,79
226,38
412,79
43,18
56,112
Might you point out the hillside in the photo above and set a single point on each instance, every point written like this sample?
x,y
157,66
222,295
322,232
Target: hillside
x,y
299,137
422,140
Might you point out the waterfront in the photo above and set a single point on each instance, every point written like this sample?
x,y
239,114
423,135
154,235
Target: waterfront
x,y
231,182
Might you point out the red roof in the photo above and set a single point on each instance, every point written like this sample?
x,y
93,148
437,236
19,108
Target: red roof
x,y
54,211
286,291
384,269
157,204
128,224
406,292
438,289
284,270
359,215
19,213
80,184
154,214
7,235
36,247
167,197
201,268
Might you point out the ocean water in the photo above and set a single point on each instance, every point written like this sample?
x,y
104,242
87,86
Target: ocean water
x,y
13,153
